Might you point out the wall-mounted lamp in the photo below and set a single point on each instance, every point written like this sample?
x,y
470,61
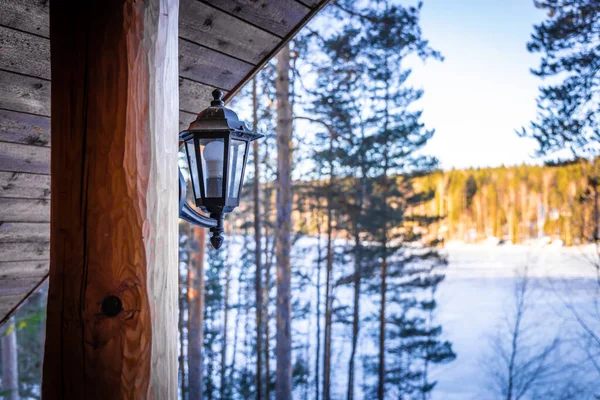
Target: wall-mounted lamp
x,y
217,146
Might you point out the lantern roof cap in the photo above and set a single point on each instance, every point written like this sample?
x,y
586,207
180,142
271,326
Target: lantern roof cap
x,y
219,117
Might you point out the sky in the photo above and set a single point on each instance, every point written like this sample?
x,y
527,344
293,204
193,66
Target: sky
x,y
483,91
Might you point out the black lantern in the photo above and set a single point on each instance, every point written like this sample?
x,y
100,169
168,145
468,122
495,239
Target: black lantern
x,y
217,145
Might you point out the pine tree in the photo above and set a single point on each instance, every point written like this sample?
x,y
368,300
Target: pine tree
x,y
283,380
568,111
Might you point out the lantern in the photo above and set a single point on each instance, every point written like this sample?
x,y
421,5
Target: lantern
x,y
217,145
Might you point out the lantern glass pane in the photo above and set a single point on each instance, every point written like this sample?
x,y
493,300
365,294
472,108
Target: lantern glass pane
x,y
237,151
193,166
213,153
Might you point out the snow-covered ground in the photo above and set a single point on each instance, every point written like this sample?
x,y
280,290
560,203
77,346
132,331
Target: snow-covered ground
x,y
474,302
478,296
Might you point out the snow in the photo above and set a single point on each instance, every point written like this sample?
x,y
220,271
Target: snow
x,y
476,296
473,302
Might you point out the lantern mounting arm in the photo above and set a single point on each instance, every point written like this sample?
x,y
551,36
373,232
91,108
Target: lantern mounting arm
x,y
190,215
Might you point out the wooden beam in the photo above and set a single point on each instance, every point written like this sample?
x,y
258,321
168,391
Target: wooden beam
x,y
26,15
24,93
16,157
23,185
24,53
213,28
114,203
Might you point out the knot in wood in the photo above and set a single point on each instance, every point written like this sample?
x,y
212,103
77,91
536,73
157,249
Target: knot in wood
x,y
112,306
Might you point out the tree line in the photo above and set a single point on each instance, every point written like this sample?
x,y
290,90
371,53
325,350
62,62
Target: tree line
x,y
514,204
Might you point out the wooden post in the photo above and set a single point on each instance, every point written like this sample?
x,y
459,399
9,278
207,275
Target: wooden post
x,y
112,303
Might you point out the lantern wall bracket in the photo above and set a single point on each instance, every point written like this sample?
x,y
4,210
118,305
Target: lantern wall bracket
x,y
187,213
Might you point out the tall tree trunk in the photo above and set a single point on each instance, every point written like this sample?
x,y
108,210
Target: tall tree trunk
x,y
196,316
383,288
356,311
381,369
10,364
225,343
318,334
283,379
111,329
328,285
267,298
258,279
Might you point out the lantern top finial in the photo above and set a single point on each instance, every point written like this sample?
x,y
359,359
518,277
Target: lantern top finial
x,y
217,98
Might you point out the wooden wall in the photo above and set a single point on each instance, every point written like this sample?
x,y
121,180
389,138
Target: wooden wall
x,y
222,44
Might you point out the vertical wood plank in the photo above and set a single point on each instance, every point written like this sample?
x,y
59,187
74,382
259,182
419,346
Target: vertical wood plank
x,y
114,213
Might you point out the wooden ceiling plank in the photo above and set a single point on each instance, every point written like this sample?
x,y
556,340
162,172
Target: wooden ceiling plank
x,y
24,269
24,93
24,251
24,53
8,302
24,185
193,96
15,157
24,231
18,127
275,50
24,210
220,31
209,67
278,17
27,15
185,119
18,285
310,3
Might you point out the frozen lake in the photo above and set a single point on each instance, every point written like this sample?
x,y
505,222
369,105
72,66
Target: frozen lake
x,y
478,296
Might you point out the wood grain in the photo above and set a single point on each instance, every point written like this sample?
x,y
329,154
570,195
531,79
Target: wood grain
x,y
23,269
311,3
26,15
24,251
278,17
24,53
24,185
8,302
24,232
114,202
16,157
18,286
24,210
24,128
209,67
23,93
220,31
185,119
194,96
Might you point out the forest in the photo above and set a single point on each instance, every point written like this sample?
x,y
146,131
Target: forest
x,y
556,201
327,284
